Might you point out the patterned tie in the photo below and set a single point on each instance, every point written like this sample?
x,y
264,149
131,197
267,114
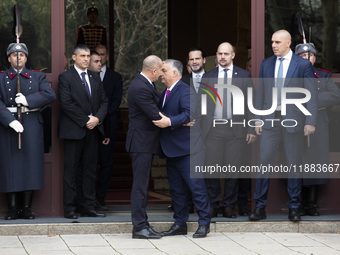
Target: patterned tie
x,y
86,85
279,81
197,82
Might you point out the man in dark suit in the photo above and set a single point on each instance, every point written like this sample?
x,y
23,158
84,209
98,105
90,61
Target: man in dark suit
x,y
289,70
196,62
225,143
142,141
83,108
113,86
183,148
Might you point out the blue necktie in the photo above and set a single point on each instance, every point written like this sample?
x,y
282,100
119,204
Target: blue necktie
x,y
86,85
279,81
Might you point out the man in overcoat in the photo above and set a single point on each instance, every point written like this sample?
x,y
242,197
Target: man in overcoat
x,y
22,170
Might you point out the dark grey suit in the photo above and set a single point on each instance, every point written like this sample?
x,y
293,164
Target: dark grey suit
x,y
142,142
81,144
225,144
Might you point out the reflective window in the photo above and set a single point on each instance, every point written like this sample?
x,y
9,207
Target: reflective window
x,y
36,23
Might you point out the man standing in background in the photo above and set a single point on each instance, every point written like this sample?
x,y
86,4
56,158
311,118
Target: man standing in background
x,y
113,86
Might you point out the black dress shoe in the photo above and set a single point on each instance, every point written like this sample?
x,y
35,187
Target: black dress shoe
x,y
13,214
101,206
294,214
70,215
171,207
202,231
213,212
258,214
153,231
228,212
92,213
145,233
175,230
243,211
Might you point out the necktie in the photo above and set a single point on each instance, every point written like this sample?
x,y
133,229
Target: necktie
x,y
167,93
279,81
197,82
227,114
86,85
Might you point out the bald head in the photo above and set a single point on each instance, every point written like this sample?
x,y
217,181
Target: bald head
x,y
284,33
281,41
225,54
151,67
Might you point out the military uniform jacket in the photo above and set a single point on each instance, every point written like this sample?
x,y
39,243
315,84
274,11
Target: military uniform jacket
x,y
318,152
91,35
23,169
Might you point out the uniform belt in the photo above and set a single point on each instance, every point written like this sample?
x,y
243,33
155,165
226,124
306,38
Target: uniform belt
x,y
23,109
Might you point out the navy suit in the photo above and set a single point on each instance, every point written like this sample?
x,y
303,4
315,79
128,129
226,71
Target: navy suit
x,y
142,142
183,147
113,87
225,144
300,75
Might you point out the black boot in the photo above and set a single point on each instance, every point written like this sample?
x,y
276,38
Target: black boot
x,y
26,205
312,197
13,206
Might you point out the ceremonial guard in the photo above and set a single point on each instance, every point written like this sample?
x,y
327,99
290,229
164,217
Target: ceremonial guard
x,y
22,169
92,34
317,153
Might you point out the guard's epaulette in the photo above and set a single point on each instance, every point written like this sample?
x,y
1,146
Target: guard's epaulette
x,y
37,71
324,70
2,71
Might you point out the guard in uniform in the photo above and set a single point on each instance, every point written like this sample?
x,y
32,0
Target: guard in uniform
x,y
318,151
92,34
22,170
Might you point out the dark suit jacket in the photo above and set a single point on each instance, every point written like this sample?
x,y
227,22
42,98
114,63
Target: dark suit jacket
x,y
299,75
180,107
75,104
113,86
143,99
187,79
242,79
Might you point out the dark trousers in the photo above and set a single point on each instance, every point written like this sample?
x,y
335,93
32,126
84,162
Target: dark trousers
x,y
106,153
223,148
141,167
292,145
244,183
178,171
80,157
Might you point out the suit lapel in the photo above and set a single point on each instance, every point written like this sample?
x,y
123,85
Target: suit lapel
x,y
291,69
171,94
79,82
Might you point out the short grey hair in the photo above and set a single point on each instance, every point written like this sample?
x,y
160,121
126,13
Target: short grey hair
x,y
175,64
79,47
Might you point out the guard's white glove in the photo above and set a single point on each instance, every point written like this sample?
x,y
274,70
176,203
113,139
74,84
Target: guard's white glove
x,y
21,99
16,125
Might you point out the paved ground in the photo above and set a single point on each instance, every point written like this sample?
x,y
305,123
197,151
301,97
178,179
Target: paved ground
x,y
216,243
